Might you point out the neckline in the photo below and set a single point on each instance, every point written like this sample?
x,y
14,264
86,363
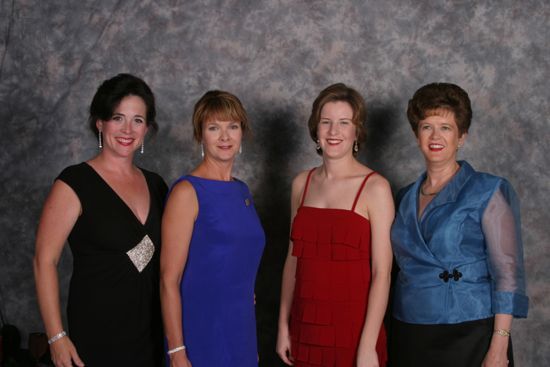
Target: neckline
x,y
335,209
233,179
121,200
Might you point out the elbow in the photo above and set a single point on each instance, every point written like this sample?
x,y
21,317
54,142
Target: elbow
x,y
169,284
39,264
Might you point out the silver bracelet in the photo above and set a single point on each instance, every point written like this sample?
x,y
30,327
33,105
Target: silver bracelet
x,y
177,349
56,337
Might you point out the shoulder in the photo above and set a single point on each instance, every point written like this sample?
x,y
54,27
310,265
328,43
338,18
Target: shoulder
x,y
378,192
376,183
487,184
182,187
183,192
155,180
78,177
403,191
300,179
73,172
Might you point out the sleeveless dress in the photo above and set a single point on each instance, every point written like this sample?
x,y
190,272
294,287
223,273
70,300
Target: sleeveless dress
x,y
217,288
333,275
113,308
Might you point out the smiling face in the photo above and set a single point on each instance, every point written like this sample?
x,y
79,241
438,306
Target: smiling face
x,y
336,131
124,132
221,140
439,137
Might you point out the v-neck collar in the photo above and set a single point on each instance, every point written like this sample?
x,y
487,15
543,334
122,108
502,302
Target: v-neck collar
x,y
119,198
448,194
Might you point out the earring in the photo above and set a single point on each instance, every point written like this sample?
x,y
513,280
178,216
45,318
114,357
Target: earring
x,y
355,146
318,146
100,140
241,149
202,152
142,150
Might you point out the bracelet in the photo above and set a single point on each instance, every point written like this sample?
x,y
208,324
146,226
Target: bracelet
x,y
56,337
503,332
177,349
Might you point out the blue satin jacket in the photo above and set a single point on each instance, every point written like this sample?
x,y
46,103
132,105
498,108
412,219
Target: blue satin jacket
x,y
462,260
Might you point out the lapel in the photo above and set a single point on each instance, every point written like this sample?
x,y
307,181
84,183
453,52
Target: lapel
x,y
448,195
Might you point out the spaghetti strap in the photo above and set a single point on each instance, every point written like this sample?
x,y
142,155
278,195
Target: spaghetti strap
x,y
360,190
306,186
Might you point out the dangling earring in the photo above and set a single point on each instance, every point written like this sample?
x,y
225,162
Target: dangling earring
x,y
142,150
355,146
318,146
241,149
100,140
202,152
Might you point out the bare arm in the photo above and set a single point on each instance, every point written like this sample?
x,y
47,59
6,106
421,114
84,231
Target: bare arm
x,y
177,227
288,281
60,213
381,213
498,349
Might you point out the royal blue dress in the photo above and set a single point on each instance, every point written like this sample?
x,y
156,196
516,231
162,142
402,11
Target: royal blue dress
x,y
217,288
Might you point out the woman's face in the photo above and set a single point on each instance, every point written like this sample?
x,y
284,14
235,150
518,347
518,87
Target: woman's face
x,y
125,131
439,138
336,131
221,140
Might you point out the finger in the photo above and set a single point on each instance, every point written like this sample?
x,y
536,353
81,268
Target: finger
x,y
285,357
76,358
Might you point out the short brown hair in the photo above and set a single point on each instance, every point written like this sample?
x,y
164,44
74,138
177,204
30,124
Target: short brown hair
x,y
339,93
431,98
221,105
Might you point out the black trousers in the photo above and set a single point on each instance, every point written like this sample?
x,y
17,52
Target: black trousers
x,y
442,345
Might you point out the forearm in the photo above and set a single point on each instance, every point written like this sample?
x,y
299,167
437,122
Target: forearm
x,y
503,324
47,290
171,313
377,304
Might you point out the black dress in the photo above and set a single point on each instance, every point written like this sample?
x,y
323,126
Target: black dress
x,y
113,309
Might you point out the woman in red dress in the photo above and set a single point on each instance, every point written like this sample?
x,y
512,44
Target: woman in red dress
x,y
336,277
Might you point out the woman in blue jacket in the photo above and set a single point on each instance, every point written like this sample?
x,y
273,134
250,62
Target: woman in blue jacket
x,y
457,242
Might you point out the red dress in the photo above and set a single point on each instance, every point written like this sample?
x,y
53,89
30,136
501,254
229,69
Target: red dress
x,y
333,275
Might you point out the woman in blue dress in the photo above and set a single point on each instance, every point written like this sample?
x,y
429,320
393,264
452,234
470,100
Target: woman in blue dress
x,y
456,238
212,245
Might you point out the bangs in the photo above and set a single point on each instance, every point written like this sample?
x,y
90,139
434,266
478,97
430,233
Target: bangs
x,y
442,111
218,110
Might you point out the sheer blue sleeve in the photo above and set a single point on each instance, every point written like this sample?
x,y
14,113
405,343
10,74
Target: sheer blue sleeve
x,y
502,230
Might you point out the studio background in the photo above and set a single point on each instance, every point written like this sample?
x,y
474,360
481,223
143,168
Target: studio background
x,y
276,56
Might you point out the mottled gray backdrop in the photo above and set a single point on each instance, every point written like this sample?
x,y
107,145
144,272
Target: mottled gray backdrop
x,y
276,56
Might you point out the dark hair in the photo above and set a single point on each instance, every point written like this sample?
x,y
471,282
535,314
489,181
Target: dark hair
x,y
112,91
339,93
432,98
220,105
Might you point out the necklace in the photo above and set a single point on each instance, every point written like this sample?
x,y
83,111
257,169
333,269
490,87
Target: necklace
x,y
427,194
437,192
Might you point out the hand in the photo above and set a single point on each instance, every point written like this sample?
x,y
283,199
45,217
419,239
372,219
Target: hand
x,y
497,355
64,353
283,346
367,358
179,359
495,359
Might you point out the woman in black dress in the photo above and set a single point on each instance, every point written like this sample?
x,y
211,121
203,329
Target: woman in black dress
x,y
109,210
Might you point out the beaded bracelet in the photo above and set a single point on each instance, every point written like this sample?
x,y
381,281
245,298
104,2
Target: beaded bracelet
x,y
503,332
177,349
56,337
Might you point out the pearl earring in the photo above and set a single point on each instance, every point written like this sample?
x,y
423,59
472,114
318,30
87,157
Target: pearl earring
x,y
100,140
